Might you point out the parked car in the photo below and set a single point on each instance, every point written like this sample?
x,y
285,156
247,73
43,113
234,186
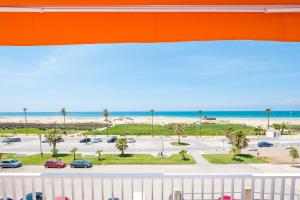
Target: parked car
x,y
55,164
96,140
85,140
81,164
265,144
131,140
10,140
38,196
112,139
10,163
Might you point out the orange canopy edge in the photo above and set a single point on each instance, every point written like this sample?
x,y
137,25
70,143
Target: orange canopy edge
x,y
62,28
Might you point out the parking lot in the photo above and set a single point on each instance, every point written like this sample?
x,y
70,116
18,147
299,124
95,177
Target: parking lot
x,y
30,145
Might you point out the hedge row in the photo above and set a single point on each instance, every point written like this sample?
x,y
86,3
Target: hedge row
x,y
68,126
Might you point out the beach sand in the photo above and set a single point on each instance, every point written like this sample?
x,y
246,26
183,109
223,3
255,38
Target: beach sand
x,y
157,120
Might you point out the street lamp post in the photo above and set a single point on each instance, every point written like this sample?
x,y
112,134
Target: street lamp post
x,y
162,146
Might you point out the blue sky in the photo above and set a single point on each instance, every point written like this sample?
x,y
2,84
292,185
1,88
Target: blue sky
x,y
233,75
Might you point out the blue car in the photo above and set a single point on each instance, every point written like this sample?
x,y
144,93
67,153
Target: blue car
x,y
265,144
112,139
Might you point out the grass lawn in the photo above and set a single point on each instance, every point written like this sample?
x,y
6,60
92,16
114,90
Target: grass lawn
x,y
29,131
227,159
179,144
113,159
146,129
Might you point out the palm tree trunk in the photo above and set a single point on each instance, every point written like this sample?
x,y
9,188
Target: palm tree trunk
x,y
74,156
152,126
65,124
268,120
257,151
54,147
200,126
26,121
179,139
106,126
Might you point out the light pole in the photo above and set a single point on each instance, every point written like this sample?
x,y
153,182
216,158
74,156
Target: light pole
x,y
162,146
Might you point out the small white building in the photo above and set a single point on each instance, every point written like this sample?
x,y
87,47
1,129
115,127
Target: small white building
x,y
272,134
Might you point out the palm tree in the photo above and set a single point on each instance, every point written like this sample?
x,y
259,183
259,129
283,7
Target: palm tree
x,y
99,153
53,137
152,113
73,151
200,112
64,113
179,131
268,111
259,131
183,154
25,115
106,114
229,133
281,127
294,154
121,145
238,141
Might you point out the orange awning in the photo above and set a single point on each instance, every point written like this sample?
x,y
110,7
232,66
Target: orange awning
x,y
54,22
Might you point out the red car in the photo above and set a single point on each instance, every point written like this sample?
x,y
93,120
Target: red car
x,y
54,164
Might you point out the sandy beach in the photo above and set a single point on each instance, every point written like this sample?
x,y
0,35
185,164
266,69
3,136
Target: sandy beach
x,y
157,120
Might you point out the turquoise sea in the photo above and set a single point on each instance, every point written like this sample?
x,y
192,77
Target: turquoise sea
x,y
217,114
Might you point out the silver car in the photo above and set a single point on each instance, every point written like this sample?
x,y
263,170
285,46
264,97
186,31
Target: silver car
x,y
131,140
96,140
10,163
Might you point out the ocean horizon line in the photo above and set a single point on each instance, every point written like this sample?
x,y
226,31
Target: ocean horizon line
x,y
193,114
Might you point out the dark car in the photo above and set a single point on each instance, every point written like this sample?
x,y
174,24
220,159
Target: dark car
x,y
85,140
10,140
38,196
10,163
265,144
112,139
81,164
55,164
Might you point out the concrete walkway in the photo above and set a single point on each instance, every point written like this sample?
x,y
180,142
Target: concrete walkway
x,y
199,159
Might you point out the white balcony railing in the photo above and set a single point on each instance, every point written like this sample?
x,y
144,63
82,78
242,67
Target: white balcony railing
x,y
94,186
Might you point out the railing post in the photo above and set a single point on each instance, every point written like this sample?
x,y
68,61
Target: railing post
x,y
176,195
247,194
292,192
